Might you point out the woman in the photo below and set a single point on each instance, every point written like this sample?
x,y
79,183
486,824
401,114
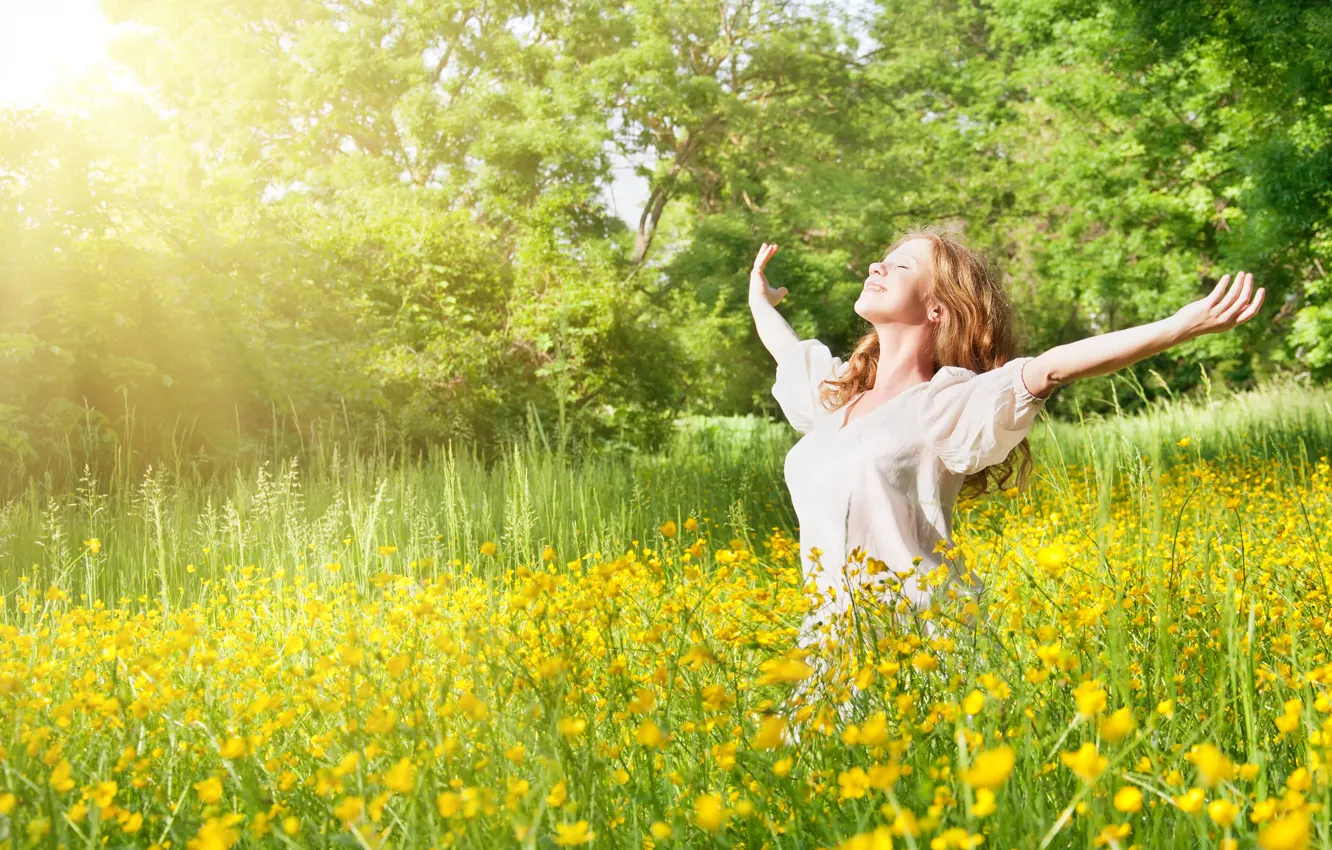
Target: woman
x,y
931,404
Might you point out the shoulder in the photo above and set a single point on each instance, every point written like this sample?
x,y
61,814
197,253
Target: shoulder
x,y
951,375
813,357
947,375
1001,385
948,380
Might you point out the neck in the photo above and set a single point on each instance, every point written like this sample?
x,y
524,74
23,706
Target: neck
x,y
906,356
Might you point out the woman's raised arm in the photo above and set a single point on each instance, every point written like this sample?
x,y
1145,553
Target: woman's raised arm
x,y
1220,310
776,335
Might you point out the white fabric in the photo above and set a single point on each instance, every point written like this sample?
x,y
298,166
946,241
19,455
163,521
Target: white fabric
x,y
888,480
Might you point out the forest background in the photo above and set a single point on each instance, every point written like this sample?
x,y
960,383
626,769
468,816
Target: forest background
x,y
390,215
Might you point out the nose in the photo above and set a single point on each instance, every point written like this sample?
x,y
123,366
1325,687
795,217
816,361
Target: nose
x,y
876,268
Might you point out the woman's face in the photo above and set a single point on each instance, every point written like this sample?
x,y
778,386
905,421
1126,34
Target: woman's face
x,y
897,290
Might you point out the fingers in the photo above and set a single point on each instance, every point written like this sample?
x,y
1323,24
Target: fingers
x,y
1231,294
1252,308
1234,305
1218,289
764,254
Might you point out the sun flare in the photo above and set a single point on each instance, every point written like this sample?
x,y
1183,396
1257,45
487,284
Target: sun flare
x,y
42,44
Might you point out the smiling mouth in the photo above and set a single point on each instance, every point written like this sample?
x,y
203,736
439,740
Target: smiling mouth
x,y
875,286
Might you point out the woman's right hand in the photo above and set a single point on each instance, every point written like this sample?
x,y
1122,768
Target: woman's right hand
x,y
758,284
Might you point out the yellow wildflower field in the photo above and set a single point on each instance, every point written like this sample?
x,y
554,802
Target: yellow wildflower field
x,y
1148,667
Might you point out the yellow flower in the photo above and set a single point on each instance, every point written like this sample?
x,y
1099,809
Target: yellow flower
x,y
1166,708
974,702
572,727
548,554
557,795
1112,834
875,731
94,544
786,670
882,776
642,702
783,767
60,778
1289,833
924,662
698,655
104,793
1086,762
232,748
1128,799
516,753
1090,698
984,804
990,769
1222,812
473,707
852,783
387,550
691,524
570,834
401,777
708,812
1190,801
7,803
1263,810
1051,558
769,736
955,838
448,804
661,831
1212,764
488,548
1299,780
217,833
349,809
1184,443
210,790
880,839
668,528
649,734
1118,725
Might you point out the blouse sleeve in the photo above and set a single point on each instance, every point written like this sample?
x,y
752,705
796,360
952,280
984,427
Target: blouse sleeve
x,y
799,372
974,420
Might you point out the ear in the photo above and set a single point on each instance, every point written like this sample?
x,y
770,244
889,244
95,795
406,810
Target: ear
x,y
935,313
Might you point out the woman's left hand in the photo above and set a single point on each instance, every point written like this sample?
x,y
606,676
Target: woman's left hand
x,y
1222,309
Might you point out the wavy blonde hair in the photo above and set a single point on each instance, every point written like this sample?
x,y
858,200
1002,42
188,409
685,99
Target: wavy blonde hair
x,y
978,332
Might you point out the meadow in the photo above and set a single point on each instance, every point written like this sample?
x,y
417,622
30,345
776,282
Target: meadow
x,y
353,649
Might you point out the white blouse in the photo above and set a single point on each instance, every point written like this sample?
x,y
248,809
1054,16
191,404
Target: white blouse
x,y
888,480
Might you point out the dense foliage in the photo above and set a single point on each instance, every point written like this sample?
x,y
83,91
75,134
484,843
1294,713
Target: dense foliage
x,y
323,215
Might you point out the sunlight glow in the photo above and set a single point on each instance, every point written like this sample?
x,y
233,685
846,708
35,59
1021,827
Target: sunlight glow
x,y
43,44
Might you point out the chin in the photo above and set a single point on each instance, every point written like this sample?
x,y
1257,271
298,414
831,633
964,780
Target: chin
x,y
871,312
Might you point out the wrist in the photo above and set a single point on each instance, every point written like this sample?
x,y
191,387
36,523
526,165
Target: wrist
x,y
1180,329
